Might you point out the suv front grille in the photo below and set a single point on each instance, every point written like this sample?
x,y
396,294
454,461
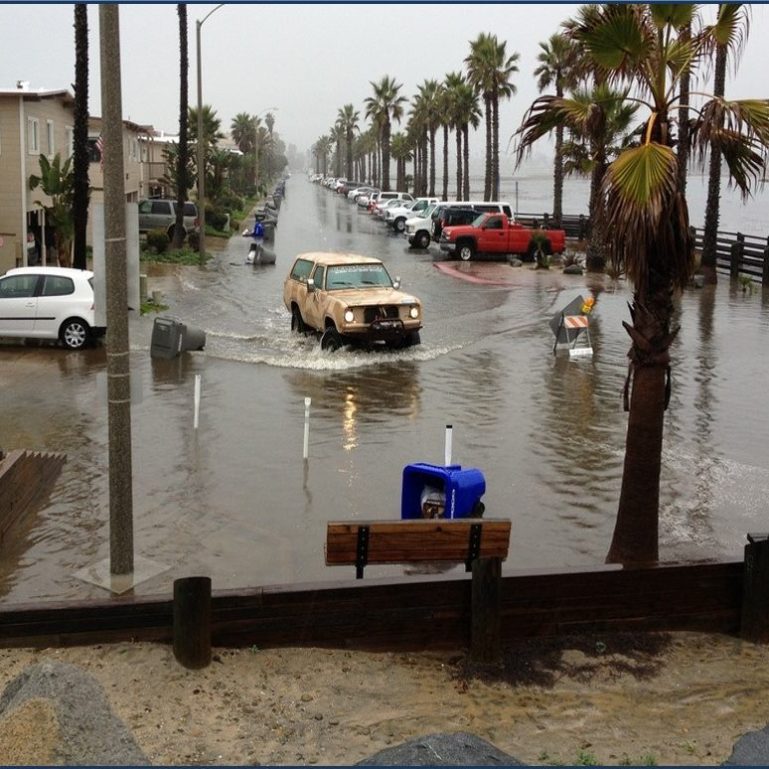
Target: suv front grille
x,y
382,312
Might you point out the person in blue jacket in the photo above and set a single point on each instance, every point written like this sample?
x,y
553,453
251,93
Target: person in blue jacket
x,y
258,235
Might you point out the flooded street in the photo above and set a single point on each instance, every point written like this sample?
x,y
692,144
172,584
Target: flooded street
x,y
235,500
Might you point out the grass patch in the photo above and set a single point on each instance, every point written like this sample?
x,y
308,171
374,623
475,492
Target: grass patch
x,y
182,256
148,306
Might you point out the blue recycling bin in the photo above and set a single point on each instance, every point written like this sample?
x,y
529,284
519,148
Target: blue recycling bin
x,y
461,490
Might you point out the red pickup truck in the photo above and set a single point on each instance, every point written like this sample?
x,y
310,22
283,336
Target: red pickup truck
x,y
496,234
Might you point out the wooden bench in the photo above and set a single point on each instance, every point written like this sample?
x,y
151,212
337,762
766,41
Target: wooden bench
x,y
480,543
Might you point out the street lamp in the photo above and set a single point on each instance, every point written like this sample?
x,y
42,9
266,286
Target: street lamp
x,y
201,146
256,146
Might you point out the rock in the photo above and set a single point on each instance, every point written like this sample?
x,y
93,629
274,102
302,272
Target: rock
x,y
513,262
60,713
572,269
459,749
752,749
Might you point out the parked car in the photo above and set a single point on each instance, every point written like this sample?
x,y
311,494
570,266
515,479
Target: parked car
x,y
418,228
383,197
443,217
356,192
49,303
350,299
160,213
396,216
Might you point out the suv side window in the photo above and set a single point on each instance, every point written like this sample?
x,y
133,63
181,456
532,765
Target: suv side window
x,y
319,275
301,271
145,207
190,209
160,207
57,285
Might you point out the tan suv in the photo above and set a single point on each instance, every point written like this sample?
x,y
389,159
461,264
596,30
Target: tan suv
x,y
350,299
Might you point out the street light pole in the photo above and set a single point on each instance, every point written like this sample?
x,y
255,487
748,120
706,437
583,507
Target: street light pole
x,y
201,145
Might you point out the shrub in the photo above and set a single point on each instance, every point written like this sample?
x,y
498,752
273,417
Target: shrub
x,y
216,217
157,240
193,241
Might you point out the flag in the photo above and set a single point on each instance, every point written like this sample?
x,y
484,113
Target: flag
x,y
100,147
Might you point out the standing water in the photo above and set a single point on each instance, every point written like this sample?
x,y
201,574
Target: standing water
x,y
234,498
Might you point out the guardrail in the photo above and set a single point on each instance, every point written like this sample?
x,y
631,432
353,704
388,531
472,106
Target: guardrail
x,y
736,253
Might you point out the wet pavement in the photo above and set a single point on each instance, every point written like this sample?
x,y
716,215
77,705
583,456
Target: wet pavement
x,y
234,498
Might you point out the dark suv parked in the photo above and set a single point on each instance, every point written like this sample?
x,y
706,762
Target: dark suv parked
x,y
446,216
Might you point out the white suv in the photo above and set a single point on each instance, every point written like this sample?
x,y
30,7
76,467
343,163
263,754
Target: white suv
x,y
48,303
417,228
395,217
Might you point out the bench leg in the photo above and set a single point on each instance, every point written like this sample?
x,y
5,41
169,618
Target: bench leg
x,y
485,643
192,621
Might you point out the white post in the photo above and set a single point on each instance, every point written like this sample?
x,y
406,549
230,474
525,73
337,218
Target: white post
x,y
306,450
447,452
197,401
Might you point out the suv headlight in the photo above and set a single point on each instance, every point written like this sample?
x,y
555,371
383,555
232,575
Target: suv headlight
x,y
414,312
349,316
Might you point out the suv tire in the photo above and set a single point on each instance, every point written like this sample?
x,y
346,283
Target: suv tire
x,y
423,239
331,340
297,323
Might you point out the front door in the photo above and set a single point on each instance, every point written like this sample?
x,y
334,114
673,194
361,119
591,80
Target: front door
x,y
18,305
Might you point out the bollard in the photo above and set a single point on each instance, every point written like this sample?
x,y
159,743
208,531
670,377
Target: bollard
x,y
195,418
192,622
447,446
306,449
143,295
754,624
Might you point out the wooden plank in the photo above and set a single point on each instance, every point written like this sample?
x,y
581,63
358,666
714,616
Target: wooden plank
x,y
405,541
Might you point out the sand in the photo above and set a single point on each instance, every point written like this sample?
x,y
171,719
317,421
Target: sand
x,y
681,698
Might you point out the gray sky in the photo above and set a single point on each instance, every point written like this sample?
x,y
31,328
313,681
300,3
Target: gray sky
x,y
306,60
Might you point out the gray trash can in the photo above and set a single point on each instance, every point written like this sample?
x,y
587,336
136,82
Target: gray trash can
x,y
171,337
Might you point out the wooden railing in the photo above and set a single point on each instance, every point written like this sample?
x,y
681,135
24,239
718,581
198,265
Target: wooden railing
x,y
736,253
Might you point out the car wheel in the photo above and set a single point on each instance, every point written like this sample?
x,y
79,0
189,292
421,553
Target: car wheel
x,y
466,252
400,225
75,334
331,340
423,239
297,324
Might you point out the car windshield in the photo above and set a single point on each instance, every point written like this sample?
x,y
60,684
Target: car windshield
x,y
357,276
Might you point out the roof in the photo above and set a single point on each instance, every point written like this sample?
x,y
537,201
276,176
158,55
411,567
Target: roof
x,y
71,271
39,94
332,257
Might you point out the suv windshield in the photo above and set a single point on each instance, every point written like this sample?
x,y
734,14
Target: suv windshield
x,y
357,276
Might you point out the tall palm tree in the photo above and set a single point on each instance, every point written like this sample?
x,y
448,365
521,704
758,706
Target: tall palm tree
x,y
212,132
400,149
383,107
183,154
641,45
725,38
80,161
269,121
556,68
337,133
348,118
419,139
429,93
450,97
490,70
467,112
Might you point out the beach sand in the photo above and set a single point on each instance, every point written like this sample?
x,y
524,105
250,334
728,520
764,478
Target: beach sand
x,y
681,698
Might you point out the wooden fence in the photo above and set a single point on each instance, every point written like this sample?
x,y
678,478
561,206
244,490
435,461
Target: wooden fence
x,y
736,253
418,612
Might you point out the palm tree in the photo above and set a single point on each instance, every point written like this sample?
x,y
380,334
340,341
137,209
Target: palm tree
x,y
348,118
429,93
322,149
337,134
269,121
383,107
243,132
56,181
489,70
556,68
467,112
80,161
641,45
400,149
726,37
182,161
211,131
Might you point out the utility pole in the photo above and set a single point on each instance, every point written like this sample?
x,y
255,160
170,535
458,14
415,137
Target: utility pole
x,y
115,253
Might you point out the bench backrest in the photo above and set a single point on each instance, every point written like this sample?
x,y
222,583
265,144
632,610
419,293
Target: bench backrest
x,y
406,541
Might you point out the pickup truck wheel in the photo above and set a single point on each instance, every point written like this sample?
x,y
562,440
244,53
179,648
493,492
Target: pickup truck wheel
x,y
297,324
400,225
466,252
331,340
423,239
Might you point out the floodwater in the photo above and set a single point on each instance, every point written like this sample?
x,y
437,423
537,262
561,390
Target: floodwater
x,y
234,498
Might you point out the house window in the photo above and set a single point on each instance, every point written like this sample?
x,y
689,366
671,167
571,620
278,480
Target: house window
x,y
49,137
94,156
33,136
70,131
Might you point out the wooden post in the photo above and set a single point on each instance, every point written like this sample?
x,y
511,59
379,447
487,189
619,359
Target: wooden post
x,y
192,621
485,643
754,625
736,253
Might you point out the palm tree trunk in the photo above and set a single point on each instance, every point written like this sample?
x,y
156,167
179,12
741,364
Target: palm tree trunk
x,y
445,162
182,154
386,156
595,258
710,235
466,152
635,538
558,168
683,120
431,193
487,178
495,147
458,129
80,190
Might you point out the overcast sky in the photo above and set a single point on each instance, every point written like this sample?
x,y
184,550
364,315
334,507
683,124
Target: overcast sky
x,y
304,60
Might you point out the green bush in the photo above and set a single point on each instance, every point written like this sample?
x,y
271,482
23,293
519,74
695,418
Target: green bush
x,y
193,241
157,241
216,217
229,201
